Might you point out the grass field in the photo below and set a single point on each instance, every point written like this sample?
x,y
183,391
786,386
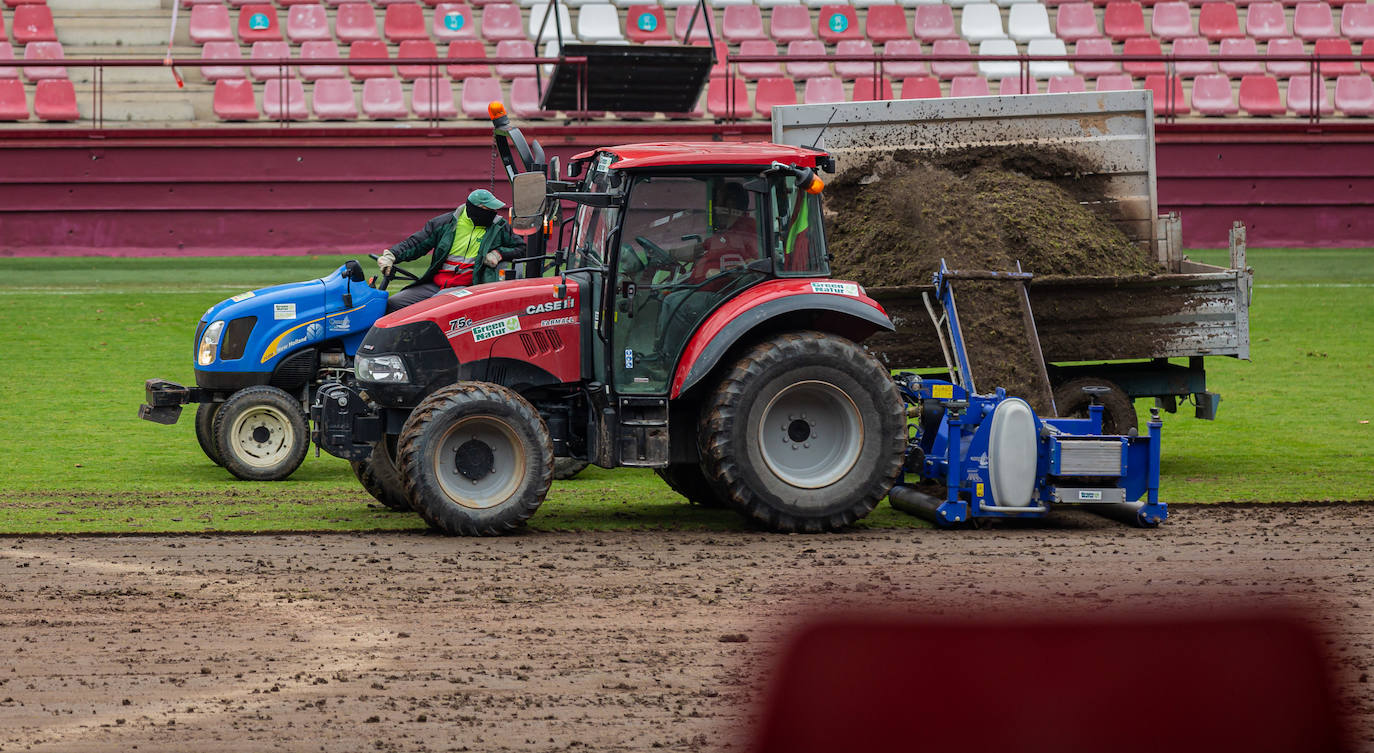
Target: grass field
x,y
79,336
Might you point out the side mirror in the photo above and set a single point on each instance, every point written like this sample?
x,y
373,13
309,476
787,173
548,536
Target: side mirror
x,y
527,206
354,271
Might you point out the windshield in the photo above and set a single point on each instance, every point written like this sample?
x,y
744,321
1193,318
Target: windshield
x,y
594,225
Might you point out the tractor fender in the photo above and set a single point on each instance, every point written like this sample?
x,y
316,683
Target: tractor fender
x,y
854,316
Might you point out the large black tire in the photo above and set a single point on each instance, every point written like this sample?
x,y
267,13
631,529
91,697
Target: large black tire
x,y
1118,412
566,468
688,480
806,432
475,459
379,477
205,431
261,434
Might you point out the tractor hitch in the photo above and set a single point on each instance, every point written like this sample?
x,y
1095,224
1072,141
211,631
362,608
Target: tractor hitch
x,y
164,400
345,426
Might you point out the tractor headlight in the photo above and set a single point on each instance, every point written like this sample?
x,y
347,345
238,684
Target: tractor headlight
x,y
209,343
381,369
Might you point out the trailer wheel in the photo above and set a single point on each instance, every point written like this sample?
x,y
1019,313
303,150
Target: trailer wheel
x,y
476,459
205,431
379,477
688,480
806,432
1118,412
261,434
566,468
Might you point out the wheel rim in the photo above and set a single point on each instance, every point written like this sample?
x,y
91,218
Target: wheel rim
x,y
262,436
811,434
479,462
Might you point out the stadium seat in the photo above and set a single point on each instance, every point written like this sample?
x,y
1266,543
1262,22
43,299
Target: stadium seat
x,y
501,22
270,51
307,23
773,91
471,49
33,23
540,17
1042,69
6,55
1218,21
1172,20
719,102
219,51
1265,20
1335,47
514,48
365,49
1027,21
790,23
54,99
1259,95
1115,82
599,23
404,22
1285,68
804,69
886,23
1367,51
836,23
1075,21
580,3
413,49
1165,87
1124,19
755,71
1357,21
722,51
646,23
284,99
1013,85
935,22
920,87
742,23
980,22
1094,48
1354,95
682,18
871,89
13,103
44,51
969,86
384,99
210,23
998,69
477,94
332,99
525,97
1142,46
321,50
1238,48
453,21
1300,96
901,69
1194,46
233,100
949,69
258,23
1066,85
1313,21
1212,95
355,22
852,69
823,90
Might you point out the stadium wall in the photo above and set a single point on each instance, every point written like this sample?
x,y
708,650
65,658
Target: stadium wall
x,y
301,190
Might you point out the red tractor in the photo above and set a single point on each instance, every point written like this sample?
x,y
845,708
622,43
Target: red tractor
x,y
690,326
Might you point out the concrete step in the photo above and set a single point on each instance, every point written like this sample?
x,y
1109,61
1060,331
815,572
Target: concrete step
x,y
103,28
128,106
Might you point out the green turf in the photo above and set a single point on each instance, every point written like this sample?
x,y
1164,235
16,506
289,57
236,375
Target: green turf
x,y
79,336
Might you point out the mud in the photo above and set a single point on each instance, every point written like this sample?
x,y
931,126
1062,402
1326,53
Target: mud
x,y
541,642
1003,351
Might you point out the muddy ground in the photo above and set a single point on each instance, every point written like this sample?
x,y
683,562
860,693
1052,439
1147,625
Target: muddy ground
x,y
594,641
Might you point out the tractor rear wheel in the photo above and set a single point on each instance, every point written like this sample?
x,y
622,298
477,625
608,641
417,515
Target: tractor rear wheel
x,y
806,432
379,477
1118,412
261,434
688,480
566,468
205,431
476,459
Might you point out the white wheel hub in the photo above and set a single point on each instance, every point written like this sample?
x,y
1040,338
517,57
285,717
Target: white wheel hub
x,y
262,436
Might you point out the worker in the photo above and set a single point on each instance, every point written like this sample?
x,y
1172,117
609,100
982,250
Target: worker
x,y
462,241
735,240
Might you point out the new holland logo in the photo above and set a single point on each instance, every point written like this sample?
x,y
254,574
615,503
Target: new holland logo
x,y
551,306
495,329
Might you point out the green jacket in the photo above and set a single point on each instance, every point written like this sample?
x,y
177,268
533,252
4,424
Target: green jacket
x,y
437,237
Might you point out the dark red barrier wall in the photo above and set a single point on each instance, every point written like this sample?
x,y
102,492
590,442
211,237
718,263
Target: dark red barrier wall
x,y
222,191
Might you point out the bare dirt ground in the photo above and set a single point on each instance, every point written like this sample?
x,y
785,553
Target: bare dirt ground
x,y
626,641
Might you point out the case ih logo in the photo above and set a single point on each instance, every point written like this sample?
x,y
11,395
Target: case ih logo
x,y
551,306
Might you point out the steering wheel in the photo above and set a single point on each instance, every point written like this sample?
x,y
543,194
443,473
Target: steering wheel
x,y
396,271
657,256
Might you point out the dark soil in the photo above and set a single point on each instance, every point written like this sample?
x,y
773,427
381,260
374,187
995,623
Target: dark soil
x,y
1000,350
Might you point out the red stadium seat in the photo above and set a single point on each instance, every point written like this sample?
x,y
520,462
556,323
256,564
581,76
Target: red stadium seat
x,y
935,22
1077,21
525,98
1265,20
1300,96
1066,85
477,94
1212,95
1219,20
1329,47
384,99
1094,68
682,18
646,23
902,69
838,22
13,104
320,50
870,89
1354,95
950,69
790,23
210,23
969,86
1237,48
6,55
803,70
755,71
920,87
1147,46
1115,82
453,21
743,23
823,91
1367,50
1259,95
1192,46
368,49
468,48
44,51
718,98
307,23
417,48
355,22
270,51
284,99
1012,85
851,69
1124,19
1357,21
1313,21
228,51
886,23
514,48
1172,20
404,22
54,99
773,91
234,100
258,23
332,99
1286,68
33,23
502,21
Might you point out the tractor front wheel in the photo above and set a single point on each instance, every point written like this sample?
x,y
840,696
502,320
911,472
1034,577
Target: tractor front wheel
x,y
476,459
205,431
379,477
688,480
806,432
261,434
566,468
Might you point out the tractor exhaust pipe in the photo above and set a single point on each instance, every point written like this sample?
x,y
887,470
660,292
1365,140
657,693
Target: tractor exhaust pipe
x,y
917,503
1139,514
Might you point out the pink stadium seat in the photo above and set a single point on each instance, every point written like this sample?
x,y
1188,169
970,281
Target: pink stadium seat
x,y
1095,68
13,104
838,22
477,94
1259,95
468,48
646,23
1172,20
1367,50
870,89
384,99
904,68
790,23
284,99
258,23
1237,48
413,49
332,99
719,102
1146,46
935,22
1265,20
307,23
1012,85
743,23
525,97
969,86
802,70
404,22
502,21
270,51
1219,20
453,21
44,51
920,87
721,53
821,91
851,69
1357,21
228,51
1196,46
1076,21
233,100
1169,97
1212,95
1330,47
951,68
773,91
1299,96
320,50
33,23
682,18
1313,21
1286,68
210,23
886,23
1124,19
754,71
514,48
355,22
1066,85
55,99
1115,82
368,49
1354,95
7,55
293,3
